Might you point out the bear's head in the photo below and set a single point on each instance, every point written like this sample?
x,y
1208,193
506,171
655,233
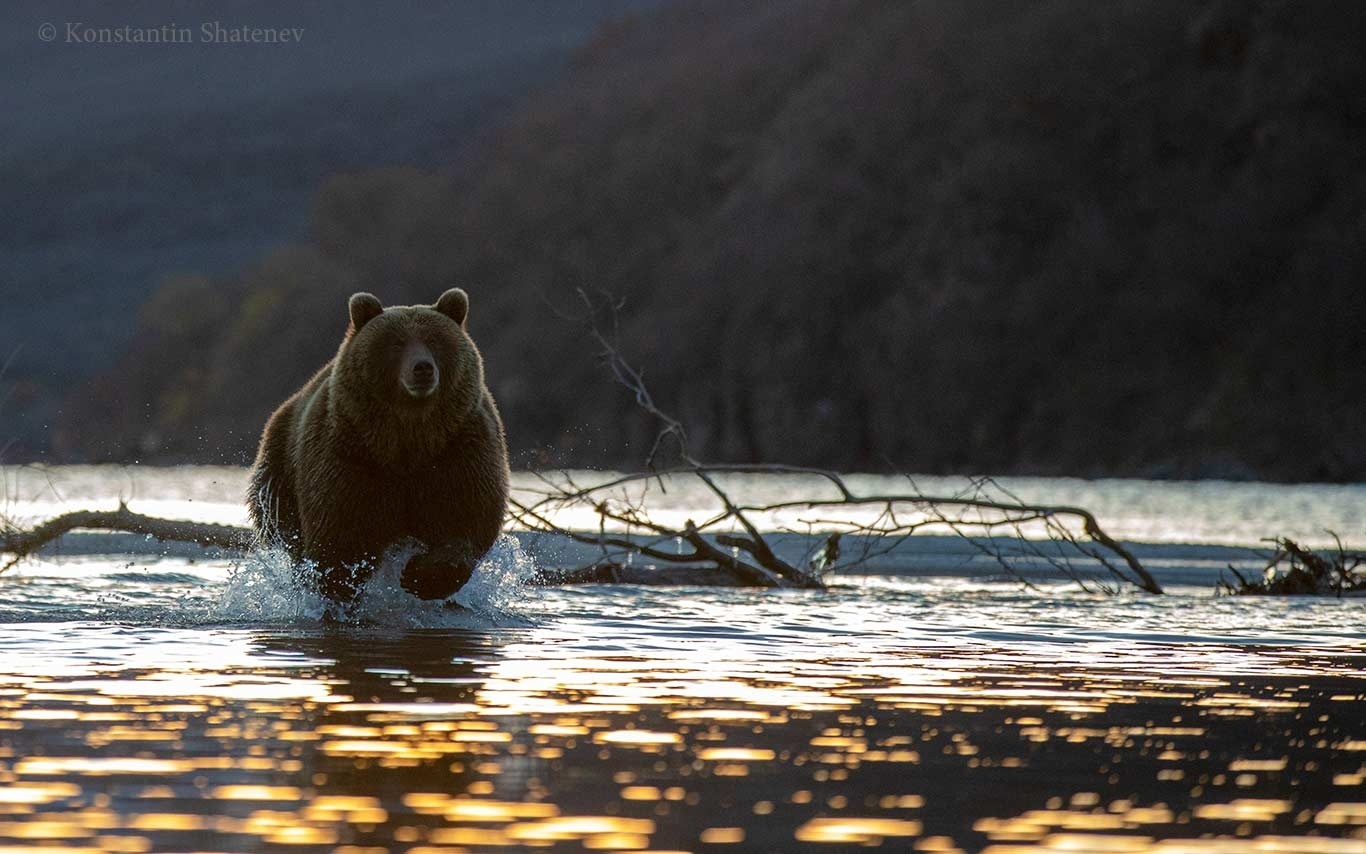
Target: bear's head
x,y
414,363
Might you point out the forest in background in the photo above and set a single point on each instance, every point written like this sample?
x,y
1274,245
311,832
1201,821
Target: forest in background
x,y
1050,237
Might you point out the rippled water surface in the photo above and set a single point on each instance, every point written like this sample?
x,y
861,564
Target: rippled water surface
x,y
192,703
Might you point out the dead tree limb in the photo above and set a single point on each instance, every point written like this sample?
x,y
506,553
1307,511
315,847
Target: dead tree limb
x,y
733,525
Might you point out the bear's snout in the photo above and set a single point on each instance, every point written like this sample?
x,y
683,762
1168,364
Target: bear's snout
x,y
420,375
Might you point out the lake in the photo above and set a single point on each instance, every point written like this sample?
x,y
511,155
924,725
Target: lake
x,y
168,699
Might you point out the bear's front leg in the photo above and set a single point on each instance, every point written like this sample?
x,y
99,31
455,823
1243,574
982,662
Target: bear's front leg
x,y
347,523
342,581
339,573
340,547
439,573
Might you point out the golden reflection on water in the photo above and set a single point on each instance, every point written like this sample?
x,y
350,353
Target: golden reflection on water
x,y
437,742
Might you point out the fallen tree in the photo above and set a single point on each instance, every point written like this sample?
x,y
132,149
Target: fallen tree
x,y
728,546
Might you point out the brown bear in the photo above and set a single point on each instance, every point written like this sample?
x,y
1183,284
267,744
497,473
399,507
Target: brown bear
x,y
396,438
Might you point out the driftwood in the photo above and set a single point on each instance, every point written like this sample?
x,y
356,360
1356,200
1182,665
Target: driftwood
x,y
22,543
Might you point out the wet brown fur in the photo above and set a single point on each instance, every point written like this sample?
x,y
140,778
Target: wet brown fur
x,y
351,463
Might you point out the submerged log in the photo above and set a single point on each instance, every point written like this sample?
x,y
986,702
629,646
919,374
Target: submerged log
x,y
701,557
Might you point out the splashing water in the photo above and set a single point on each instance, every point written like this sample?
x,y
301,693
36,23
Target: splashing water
x,y
497,586
267,587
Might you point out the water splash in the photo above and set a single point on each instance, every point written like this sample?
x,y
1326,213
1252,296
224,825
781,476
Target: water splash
x,y
499,583
268,587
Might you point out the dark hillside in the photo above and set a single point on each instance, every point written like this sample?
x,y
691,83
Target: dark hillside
x,y
1051,237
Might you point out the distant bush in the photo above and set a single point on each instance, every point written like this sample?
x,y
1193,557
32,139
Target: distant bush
x,y
1294,570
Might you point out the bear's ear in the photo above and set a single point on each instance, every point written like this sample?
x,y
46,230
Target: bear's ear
x,y
455,304
364,308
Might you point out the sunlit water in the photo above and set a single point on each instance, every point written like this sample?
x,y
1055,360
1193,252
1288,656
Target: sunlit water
x,y
176,702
